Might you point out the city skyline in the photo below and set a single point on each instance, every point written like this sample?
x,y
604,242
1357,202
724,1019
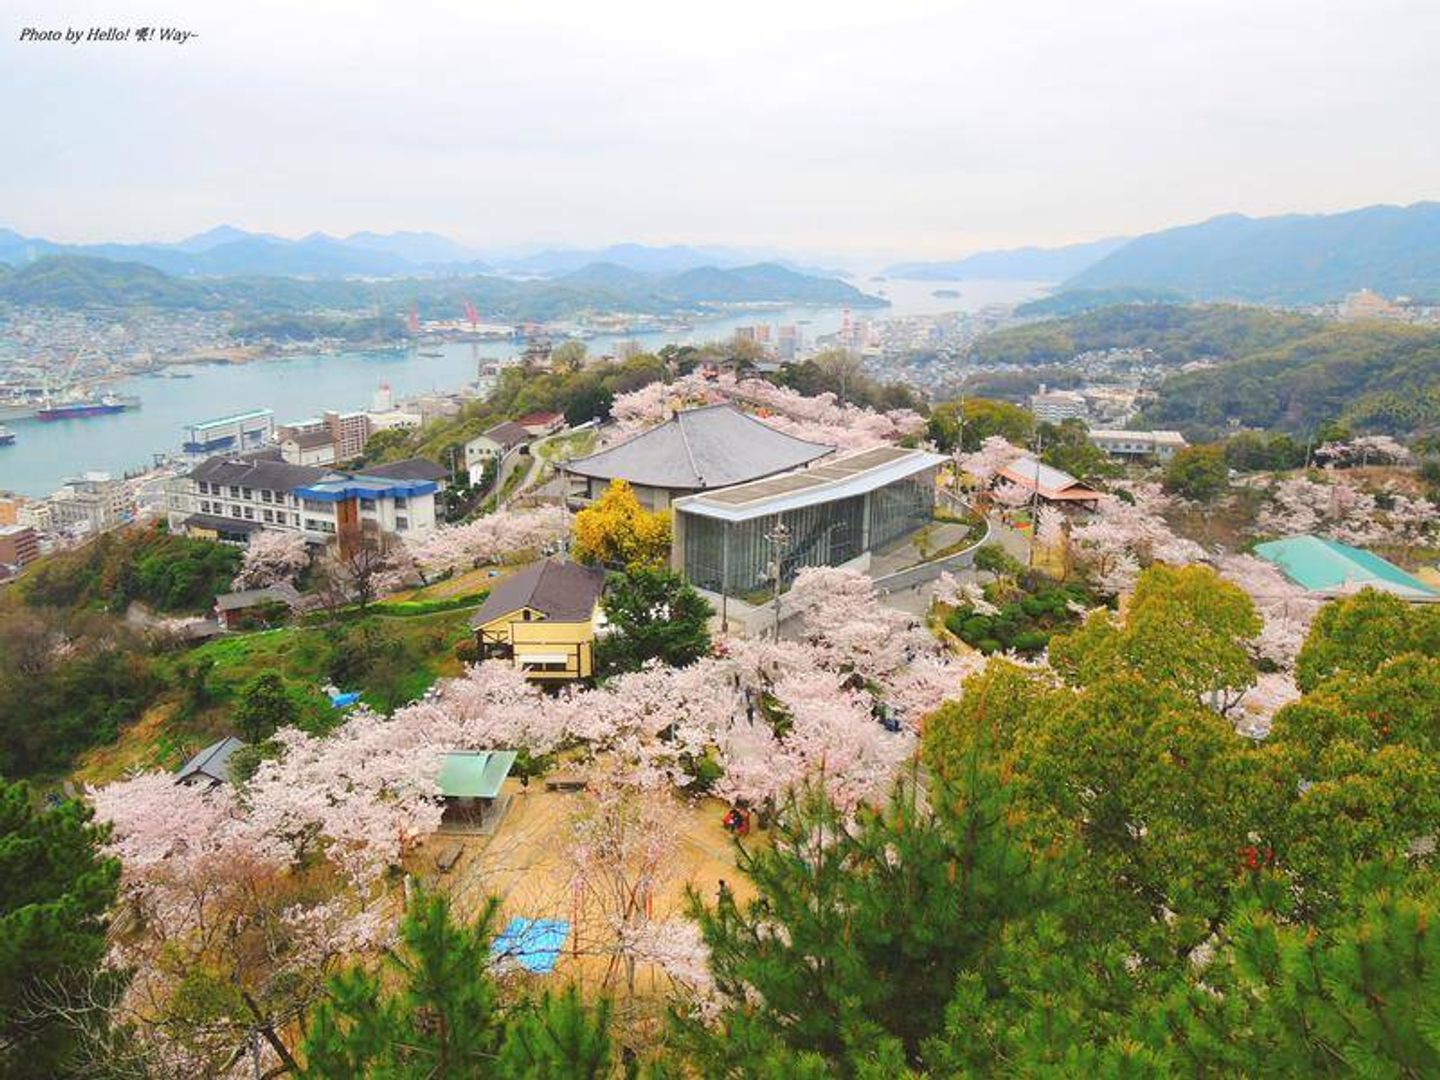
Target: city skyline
x,y
921,129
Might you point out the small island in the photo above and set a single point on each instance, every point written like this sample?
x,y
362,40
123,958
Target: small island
x,y
946,294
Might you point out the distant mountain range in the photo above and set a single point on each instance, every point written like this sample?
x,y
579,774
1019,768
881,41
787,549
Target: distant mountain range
x,y
1293,258
226,251
86,281
1289,259
1014,264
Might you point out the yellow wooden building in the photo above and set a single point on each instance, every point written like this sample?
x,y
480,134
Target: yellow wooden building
x,y
543,619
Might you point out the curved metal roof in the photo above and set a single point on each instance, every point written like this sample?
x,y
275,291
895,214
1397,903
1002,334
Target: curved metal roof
x,y
710,447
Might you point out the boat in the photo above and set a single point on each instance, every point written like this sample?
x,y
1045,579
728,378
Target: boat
x,y
430,352
74,410
7,437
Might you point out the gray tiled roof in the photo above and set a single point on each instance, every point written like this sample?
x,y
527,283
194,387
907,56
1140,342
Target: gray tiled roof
x,y
563,591
409,469
711,447
213,763
257,472
308,440
509,434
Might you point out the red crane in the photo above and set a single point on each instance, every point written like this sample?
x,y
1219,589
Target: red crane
x,y
414,321
472,314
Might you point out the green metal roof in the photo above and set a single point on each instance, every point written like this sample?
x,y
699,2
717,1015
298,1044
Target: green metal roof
x,y
1323,565
474,774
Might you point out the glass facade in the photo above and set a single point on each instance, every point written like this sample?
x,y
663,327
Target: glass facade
x,y
734,557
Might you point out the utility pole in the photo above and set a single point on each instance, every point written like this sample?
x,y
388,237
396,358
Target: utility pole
x,y
779,538
1035,495
959,443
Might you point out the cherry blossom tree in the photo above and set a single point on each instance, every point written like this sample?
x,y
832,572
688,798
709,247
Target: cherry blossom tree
x,y
821,418
272,558
1340,508
487,539
994,454
1286,608
212,905
1125,535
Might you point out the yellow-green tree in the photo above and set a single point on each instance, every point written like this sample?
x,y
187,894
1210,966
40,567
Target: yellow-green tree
x,y
617,531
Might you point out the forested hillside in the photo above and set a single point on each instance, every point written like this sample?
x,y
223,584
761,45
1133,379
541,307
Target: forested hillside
x,y
1377,377
1293,258
1177,333
74,281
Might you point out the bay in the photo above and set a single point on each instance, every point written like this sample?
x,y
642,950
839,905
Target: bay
x,y
297,386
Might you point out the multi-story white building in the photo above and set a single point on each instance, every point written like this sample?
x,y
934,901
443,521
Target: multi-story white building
x,y
1054,406
228,499
95,501
1160,445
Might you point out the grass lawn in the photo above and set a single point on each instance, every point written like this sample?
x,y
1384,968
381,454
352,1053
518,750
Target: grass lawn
x,y
466,584
162,738
576,444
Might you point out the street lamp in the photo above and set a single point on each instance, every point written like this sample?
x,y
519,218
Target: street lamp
x,y
779,540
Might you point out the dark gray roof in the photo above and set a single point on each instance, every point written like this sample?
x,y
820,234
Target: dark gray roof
x,y
308,440
212,763
711,447
257,472
563,591
508,434
247,598
223,524
409,469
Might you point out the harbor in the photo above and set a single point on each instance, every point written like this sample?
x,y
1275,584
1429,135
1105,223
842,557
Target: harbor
x,y
301,384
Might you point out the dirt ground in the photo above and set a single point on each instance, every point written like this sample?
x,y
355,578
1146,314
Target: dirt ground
x,y
525,863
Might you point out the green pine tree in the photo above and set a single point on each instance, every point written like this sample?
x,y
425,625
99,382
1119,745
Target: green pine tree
x,y
849,954
55,890
436,1012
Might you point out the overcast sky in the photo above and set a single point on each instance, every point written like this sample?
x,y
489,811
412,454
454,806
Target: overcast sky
x,y
889,127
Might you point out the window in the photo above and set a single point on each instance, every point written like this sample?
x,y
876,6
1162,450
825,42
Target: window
x,y
269,515
400,502
249,513
234,491
235,511
402,523
249,494
203,487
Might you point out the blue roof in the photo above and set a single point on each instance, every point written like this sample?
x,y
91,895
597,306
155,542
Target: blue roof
x,y
534,944
1322,565
365,487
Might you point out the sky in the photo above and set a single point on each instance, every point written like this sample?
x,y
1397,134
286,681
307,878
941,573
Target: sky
x,y
887,128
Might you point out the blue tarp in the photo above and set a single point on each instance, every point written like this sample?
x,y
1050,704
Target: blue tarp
x,y
534,944
341,701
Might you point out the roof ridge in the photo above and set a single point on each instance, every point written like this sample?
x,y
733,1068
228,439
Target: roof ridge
x,y
689,454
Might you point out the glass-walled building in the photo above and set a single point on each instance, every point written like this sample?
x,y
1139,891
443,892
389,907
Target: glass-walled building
x,y
830,514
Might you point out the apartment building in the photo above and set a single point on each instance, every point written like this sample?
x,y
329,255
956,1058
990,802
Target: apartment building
x,y
1160,445
231,498
1054,406
18,545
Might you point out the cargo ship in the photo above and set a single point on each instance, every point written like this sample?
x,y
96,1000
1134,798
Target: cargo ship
x,y
72,410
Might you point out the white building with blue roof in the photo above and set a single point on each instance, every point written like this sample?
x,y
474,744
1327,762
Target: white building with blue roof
x,y
232,498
